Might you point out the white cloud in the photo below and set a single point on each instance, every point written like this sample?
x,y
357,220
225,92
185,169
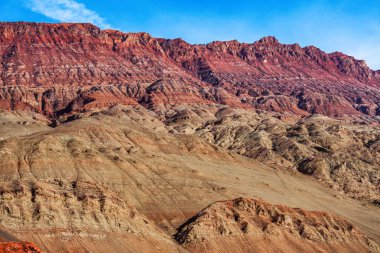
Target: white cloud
x,y
67,11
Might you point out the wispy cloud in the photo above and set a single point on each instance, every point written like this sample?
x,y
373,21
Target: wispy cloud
x,y
67,11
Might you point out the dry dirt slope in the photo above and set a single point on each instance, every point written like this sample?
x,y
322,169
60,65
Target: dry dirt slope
x,y
340,153
118,177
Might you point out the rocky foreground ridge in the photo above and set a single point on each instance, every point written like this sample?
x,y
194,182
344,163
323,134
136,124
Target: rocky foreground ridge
x,y
56,69
249,225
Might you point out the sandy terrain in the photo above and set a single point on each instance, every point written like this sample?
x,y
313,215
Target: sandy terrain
x,y
79,185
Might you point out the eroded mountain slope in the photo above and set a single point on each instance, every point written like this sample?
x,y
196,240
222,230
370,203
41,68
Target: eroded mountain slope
x,y
121,137
120,175
342,154
60,68
249,225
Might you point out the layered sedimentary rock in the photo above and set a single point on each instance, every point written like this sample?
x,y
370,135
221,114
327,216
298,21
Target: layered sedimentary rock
x,y
249,225
53,68
121,137
341,154
123,176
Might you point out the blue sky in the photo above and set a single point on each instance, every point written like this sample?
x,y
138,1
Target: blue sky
x,y
350,26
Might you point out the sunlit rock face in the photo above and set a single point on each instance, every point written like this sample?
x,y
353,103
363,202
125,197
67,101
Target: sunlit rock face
x,y
59,68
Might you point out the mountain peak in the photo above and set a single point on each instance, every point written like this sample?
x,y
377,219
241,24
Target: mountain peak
x,y
268,40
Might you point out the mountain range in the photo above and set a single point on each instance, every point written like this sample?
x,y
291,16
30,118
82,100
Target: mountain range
x,y
122,142
59,68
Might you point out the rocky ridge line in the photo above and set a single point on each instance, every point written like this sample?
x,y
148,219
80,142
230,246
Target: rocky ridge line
x,y
235,223
64,68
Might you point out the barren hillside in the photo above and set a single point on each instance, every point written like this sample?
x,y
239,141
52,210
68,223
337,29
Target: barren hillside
x,y
116,142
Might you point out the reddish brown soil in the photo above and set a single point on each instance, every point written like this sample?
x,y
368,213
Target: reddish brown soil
x,y
18,247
